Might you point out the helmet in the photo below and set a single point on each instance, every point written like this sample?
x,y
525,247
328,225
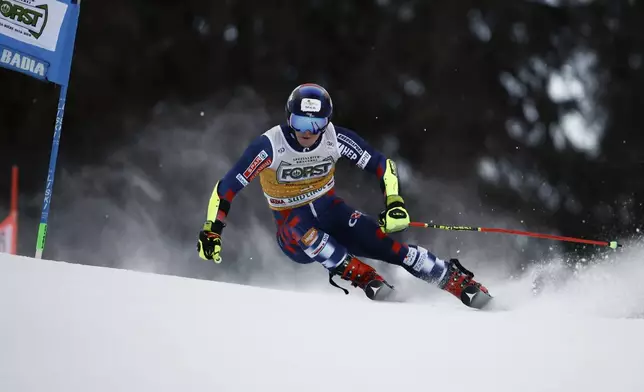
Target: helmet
x,y
309,108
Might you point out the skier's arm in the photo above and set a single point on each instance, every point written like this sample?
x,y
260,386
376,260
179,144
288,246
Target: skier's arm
x,y
358,151
257,156
353,147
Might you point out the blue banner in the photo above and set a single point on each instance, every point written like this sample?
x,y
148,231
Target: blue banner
x,y
37,37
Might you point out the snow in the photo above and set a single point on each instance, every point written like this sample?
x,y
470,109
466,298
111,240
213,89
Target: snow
x,y
69,327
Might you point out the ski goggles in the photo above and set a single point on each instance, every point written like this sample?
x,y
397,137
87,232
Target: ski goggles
x,y
303,124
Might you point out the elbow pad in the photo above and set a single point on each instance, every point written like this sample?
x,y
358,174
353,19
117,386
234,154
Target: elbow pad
x,y
390,179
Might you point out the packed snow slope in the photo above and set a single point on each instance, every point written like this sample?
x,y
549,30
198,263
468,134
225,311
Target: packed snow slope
x,y
73,328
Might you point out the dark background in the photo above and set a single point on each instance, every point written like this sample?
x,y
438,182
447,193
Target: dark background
x,y
502,113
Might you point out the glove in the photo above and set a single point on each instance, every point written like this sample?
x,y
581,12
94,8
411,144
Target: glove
x,y
209,243
395,217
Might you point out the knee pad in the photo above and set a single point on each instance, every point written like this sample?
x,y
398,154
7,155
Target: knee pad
x,y
323,248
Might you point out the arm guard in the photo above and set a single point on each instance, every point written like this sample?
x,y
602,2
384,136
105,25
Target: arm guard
x,y
389,182
218,209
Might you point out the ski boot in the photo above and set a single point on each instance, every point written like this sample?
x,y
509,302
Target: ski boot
x,y
459,282
361,275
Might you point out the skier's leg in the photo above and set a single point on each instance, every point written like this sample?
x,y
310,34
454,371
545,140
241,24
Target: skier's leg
x,y
287,242
365,237
362,236
303,242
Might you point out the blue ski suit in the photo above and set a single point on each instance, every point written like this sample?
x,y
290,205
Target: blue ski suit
x,y
313,223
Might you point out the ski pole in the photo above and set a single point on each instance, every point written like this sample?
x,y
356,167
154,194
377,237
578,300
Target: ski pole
x,y
611,244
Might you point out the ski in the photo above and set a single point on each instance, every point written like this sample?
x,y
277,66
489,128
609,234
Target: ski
x,y
474,297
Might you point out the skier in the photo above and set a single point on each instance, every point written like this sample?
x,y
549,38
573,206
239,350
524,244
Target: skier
x,y
295,162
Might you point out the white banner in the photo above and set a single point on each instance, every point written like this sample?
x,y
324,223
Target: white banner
x,y
34,22
6,236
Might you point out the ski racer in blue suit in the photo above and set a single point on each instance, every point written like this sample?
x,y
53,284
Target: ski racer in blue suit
x,y
295,163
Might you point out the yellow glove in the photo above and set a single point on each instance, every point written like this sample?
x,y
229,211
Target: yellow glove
x,y
395,217
209,243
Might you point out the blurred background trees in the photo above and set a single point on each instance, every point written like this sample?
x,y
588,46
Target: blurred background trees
x,y
532,106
